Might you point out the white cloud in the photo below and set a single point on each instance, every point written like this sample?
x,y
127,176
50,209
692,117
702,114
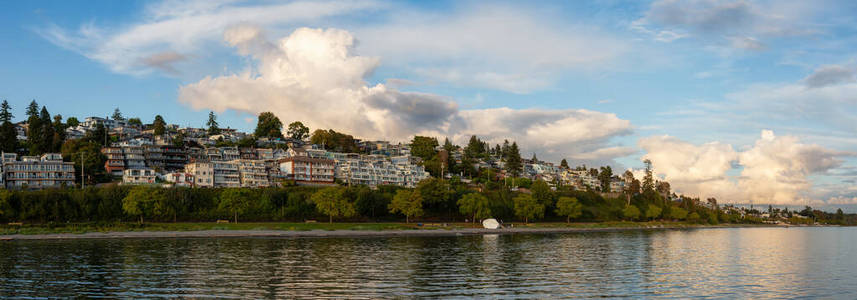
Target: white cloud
x,y
774,170
185,28
829,75
313,76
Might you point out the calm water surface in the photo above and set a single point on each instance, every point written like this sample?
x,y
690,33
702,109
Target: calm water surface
x,y
716,263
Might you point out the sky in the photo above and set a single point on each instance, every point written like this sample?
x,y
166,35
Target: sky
x,y
745,101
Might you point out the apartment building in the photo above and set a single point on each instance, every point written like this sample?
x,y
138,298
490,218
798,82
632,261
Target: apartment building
x,y
226,174
252,173
138,176
182,179
33,172
202,172
307,170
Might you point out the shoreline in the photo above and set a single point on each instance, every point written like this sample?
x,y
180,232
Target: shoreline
x,y
319,233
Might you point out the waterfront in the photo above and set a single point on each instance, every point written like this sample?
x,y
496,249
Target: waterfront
x,y
722,262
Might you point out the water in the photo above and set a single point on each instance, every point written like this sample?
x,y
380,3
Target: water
x,y
717,263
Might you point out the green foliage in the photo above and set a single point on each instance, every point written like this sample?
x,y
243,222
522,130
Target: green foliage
x,y
298,131
678,213
8,137
526,207
268,126
542,193
631,212
87,154
140,201
474,205
568,207
334,141
693,217
653,211
159,125
117,115
424,147
72,122
213,127
235,200
331,201
605,176
408,203
134,122
563,163
514,165
6,112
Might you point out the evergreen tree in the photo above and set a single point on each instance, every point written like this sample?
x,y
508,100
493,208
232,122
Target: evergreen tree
x,y
59,134
32,109
513,161
34,131
648,179
213,128
563,163
117,115
504,151
535,159
46,140
8,135
5,112
159,125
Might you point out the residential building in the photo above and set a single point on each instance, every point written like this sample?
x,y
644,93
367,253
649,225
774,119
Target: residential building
x,y
226,174
138,176
182,179
252,173
307,170
33,172
202,172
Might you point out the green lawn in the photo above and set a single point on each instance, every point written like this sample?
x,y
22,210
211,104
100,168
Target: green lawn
x,y
193,226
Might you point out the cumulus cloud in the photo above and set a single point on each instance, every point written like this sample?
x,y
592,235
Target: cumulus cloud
x,y
829,75
312,75
697,170
774,170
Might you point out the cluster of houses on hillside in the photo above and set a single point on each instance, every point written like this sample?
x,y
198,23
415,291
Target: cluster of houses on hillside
x,y
138,156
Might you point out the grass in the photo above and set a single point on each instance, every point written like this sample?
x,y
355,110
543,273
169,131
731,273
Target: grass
x,y
53,228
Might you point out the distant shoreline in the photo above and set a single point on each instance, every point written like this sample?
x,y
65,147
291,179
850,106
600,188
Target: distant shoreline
x,y
253,233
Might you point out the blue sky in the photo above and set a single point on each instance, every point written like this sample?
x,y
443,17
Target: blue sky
x,y
742,100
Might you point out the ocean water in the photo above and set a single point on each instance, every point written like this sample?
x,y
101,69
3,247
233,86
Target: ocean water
x,y
731,263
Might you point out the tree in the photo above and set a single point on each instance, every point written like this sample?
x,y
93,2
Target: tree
x,y
526,207
6,112
653,211
139,201
513,161
631,212
98,135
678,213
424,147
235,200
408,203
434,192
134,122
334,141
32,109
568,207
534,159
298,131
648,179
605,176
87,153
542,193
693,217
331,201
34,130
213,128
45,140
475,205
475,148
159,125
72,122
268,126
59,134
563,163
117,115
8,134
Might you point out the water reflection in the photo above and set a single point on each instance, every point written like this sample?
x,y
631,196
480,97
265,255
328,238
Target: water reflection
x,y
721,263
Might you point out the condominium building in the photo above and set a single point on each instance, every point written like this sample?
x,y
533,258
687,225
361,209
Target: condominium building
x,y
252,173
180,179
307,170
202,172
138,176
33,172
226,174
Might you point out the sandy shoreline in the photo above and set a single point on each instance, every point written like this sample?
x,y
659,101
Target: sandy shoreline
x,y
337,233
